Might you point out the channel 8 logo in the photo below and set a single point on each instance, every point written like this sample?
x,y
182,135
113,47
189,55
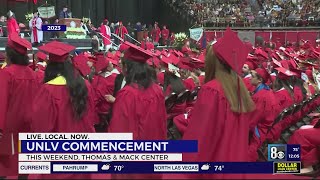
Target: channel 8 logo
x,y
277,152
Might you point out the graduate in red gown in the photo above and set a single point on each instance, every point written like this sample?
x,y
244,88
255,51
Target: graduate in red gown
x,y
284,89
147,44
308,138
64,103
173,84
140,105
41,65
219,119
106,32
285,95
121,31
156,33
103,84
186,49
165,35
12,25
188,80
267,109
247,67
19,86
172,38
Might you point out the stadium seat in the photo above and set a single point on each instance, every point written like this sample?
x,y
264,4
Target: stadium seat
x,y
182,97
170,101
193,96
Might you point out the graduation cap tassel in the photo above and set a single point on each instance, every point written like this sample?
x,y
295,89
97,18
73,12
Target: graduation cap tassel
x,y
12,144
33,61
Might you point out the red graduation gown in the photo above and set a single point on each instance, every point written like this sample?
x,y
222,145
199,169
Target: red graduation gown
x,y
143,113
121,31
155,34
284,98
267,109
285,101
52,112
164,35
13,28
310,142
19,86
103,86
147,45
106,32
217,129
40,75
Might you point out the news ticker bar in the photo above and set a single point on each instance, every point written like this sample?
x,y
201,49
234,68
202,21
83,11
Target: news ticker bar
x,y
160,167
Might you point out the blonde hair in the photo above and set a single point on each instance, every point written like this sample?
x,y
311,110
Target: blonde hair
x,y
215,69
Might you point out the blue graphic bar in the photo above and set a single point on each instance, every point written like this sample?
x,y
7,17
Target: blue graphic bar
x,y
56,27
93,146
163,167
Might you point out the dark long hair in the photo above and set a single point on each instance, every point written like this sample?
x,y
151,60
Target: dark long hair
x,y
175,82
279,83
138,73
75,83
17,58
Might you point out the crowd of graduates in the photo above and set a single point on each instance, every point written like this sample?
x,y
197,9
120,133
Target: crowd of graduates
x,y
240,90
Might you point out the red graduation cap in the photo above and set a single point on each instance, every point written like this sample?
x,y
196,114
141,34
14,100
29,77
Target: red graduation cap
x,y
284,64
136,53
285,73
252,65
231,50
263,73
157,53
165,59
19,44
123,47
101,63
80,63
276,62
58,51
41,56
154,62
260,52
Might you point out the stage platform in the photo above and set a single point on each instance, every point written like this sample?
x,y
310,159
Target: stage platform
x,y
81,44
